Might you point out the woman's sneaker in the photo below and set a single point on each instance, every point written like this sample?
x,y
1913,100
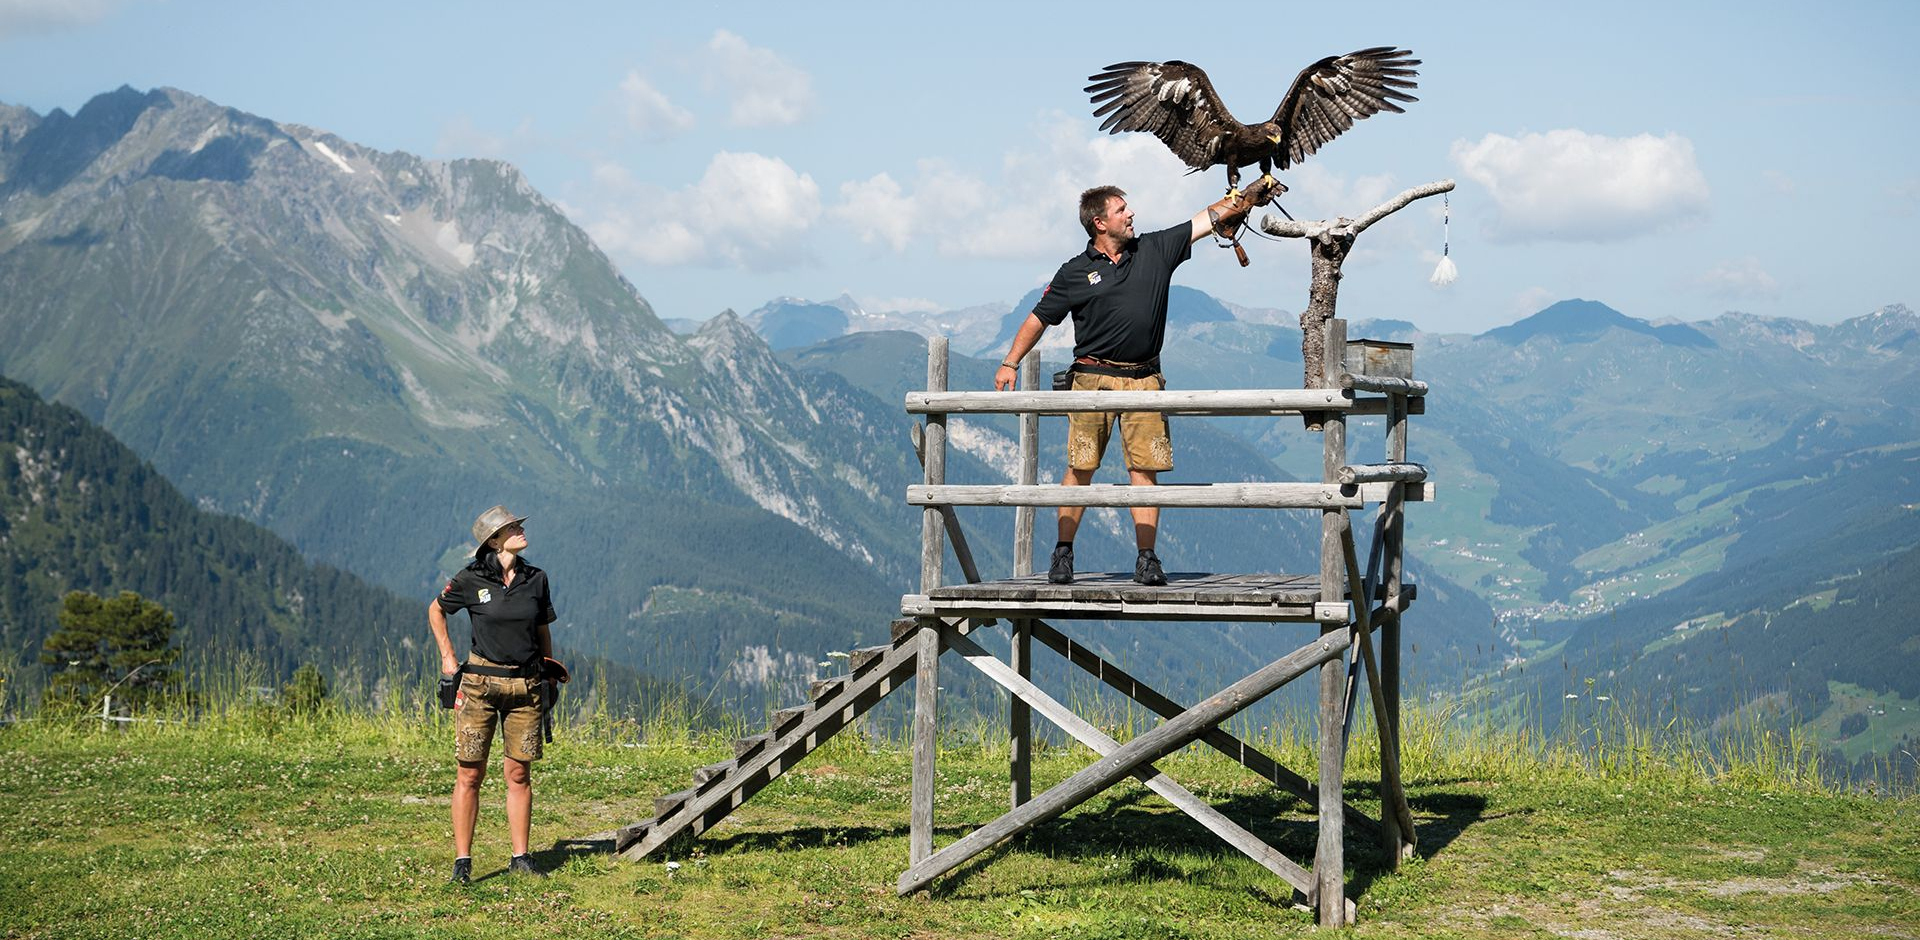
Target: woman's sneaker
x,y
523,865
462,871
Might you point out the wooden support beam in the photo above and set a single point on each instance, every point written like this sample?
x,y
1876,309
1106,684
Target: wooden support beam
x,y
1218,738
1396,817
1386,384
1392,576
958,539
926,680
1329,859
1381,473
1229,495
1155,744
1271,401
1183,799
1019,715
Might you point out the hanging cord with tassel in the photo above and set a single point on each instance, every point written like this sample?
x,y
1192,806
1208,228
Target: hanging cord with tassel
x,y
1445,273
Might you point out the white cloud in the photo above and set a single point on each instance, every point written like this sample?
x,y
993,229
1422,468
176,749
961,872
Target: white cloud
x,y
1531,301
1778,183
1569,185
764,88
747,210
649,111
1903,198
877,209
26,17
1030,210
899,304
1741,279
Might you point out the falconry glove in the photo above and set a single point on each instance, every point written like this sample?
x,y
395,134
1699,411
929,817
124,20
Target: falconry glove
x,y
1228,214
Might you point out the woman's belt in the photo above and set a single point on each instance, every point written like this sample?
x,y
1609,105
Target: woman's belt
x,y
523,671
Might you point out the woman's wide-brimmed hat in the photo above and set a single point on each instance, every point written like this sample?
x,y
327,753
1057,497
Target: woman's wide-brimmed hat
x,y
489,525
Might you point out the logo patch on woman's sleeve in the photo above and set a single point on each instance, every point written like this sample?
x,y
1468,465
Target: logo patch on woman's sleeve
x,y
485,595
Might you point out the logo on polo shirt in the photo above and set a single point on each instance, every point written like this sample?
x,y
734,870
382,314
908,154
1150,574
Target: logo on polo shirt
x,y
485,595
1093,277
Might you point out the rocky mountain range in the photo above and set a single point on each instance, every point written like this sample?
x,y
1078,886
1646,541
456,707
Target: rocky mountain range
x,y
361,349
1637,501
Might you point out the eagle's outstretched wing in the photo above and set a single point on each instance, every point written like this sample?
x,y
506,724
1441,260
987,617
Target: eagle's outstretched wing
x,y
1171,100
1331,94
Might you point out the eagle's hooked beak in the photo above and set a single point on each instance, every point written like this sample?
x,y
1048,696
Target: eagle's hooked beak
x,y
1275,138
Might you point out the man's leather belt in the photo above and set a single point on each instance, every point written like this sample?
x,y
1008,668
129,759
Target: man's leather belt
x,y
1094,365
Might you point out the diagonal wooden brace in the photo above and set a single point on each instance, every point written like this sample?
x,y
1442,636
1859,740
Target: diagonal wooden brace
x,y
1219,739
1084,732
1396,815
1169,737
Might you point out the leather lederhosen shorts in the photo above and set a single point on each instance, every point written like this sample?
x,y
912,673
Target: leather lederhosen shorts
x,y
1144,437
514,706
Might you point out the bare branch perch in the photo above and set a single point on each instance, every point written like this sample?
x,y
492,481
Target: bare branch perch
x,y
1328,243
1351,227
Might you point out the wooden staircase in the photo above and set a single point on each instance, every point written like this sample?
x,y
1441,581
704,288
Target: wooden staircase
x,y
758,760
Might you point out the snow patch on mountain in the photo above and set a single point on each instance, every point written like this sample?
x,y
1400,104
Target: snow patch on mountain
x,y
327,152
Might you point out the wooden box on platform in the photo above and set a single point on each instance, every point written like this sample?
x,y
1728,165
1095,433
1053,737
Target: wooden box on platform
x,y
1380,357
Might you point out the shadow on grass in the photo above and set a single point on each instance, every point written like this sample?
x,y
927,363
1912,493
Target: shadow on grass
x,y
1149,835
1118,825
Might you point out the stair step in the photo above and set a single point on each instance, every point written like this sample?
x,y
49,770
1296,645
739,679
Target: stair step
x,y
625,836
663,806
863,658
712,771
825,688
744,748
786,718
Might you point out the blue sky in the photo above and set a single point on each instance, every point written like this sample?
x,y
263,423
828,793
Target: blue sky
x,y
1673,160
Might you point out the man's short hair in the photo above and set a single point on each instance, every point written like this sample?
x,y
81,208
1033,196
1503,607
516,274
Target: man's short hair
x,y
1093,204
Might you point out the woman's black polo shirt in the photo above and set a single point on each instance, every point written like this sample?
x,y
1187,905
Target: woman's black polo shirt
x,y
1119,310
503,617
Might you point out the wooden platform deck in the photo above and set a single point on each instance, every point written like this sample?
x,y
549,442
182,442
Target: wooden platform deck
x,y
1113,595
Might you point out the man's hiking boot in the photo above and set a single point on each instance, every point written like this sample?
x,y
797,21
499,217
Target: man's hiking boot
x,y
523,865
1146,569
1060,569
462,871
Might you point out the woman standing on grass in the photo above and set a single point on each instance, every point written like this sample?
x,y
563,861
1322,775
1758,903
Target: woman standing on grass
x,y
509,606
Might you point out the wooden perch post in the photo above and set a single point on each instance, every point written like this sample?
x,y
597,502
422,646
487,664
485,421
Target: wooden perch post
x,y
1330,242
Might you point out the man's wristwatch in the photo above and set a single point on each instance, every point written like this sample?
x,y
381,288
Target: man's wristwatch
x,y
1009,365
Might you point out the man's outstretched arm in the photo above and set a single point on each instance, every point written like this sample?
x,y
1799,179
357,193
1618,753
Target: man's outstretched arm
x,y
1023,343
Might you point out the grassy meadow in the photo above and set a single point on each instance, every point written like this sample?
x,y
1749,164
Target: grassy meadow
x,y
249,822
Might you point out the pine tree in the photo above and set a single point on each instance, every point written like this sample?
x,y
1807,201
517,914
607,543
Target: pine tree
x,y
122,645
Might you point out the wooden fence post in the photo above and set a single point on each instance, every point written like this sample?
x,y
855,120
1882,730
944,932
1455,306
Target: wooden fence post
x,y
1329,861
1019,713
927,668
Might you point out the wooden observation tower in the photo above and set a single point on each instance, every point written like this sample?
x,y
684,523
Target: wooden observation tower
x,y
1347,607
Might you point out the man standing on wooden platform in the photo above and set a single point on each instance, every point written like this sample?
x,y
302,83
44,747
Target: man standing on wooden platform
x,y
1116,291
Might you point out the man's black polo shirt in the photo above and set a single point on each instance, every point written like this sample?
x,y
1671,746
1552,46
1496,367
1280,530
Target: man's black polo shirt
x,y
503,617
1119,310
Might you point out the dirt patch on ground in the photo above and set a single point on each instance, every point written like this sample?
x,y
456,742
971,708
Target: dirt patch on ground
x,y
1808,880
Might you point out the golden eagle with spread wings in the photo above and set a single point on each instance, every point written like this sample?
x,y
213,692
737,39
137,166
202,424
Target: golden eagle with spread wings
x,y
1175,102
